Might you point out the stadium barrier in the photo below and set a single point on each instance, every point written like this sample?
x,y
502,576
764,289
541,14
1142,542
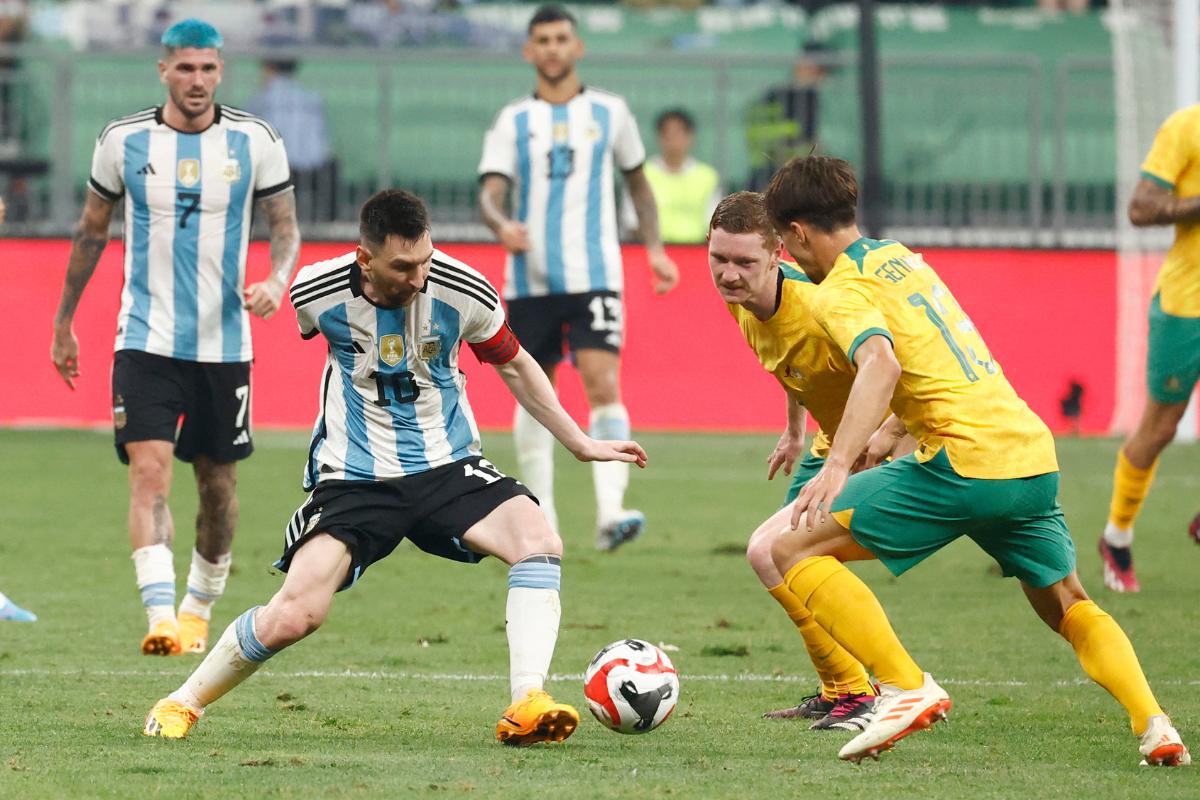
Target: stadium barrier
x,y
1047,316
982,146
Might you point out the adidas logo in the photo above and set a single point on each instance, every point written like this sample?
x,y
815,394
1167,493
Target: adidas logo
x,y
147,170
242,438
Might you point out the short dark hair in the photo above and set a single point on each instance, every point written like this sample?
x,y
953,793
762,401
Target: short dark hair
x,y
392,212
551,12
745,212
820,190
679,114
284,66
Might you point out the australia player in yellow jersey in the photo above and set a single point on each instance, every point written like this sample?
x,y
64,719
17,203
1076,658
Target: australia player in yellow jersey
x,y
984,467
1167,194
770,302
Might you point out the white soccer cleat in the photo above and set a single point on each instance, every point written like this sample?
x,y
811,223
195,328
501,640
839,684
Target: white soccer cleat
x,y
1162,746
898,713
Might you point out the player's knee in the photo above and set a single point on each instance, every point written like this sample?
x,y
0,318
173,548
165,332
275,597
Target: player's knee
x,y
1159,425
542,540
148,477
290,620
760,556
217,487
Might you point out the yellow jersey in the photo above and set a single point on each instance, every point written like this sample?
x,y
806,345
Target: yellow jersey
x,y
951,394
797,351
1174,163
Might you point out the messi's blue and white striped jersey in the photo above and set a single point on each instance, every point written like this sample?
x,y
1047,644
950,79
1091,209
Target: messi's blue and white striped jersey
x,y
188,201
393,401
559,159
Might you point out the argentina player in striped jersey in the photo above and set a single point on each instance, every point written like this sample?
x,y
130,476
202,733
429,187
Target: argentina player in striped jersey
x,y
191,172
552,154
395,454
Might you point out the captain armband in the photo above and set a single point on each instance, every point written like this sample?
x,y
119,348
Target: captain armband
x,y
500,349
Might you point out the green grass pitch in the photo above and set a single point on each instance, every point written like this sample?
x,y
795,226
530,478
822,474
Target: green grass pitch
x,y
399,693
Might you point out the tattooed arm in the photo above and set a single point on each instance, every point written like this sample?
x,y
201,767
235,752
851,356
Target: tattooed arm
x,y
262,299
88,243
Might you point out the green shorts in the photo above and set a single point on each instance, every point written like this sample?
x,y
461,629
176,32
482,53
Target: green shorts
x,y
906,511
805,471
1172,355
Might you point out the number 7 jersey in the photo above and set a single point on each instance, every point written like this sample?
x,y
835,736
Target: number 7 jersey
x,y
393,400
951,394
188,202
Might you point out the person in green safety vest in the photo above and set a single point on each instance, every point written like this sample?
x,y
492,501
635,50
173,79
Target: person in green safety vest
x,y
685,190
783,122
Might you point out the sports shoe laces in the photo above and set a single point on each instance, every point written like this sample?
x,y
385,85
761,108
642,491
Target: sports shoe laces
x,y
846,705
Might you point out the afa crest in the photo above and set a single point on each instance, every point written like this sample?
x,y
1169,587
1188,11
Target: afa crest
x,y
188,171
120,419
391,349
431,348
231,171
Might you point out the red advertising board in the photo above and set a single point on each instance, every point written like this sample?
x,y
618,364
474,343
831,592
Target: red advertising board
x,y
1047,316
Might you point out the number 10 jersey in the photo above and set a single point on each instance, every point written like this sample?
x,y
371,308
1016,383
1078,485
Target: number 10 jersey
x,y
188,203
393,400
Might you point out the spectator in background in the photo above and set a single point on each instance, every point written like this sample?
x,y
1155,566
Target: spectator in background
x,y
784,122
14,25
685,190
299,115
1072,6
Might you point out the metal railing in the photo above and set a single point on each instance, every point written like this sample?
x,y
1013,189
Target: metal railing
x,y
977,150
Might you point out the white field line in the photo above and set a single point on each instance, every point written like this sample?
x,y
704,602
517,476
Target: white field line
x,y
468,677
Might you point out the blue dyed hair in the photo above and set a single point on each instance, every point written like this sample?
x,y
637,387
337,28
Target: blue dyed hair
x,y
192,33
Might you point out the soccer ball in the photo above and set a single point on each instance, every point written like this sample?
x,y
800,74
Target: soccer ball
x,y
631,686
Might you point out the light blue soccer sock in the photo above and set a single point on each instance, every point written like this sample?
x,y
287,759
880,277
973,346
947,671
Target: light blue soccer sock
x,y
155,568
610,478
236,656
532,615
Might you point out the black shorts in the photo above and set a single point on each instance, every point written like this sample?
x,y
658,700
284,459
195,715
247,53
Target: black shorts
x,y
588,321
151,392
432,509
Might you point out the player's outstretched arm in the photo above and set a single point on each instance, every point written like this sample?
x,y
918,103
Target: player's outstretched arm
x,y
666,274
493,197
91,235
529,385
262,299
1154,204
790,446
878,371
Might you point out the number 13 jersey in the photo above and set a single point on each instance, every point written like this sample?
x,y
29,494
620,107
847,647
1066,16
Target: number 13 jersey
x,y
951,394
393,400
188,203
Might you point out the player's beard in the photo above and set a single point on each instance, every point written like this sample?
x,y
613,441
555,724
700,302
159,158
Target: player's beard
x,y
565,71
181,103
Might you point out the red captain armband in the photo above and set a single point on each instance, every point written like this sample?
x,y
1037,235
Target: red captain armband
x,y
500,349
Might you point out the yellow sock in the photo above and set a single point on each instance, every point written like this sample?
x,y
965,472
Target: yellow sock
x,y
1107,657
840,672
844,606
1130,486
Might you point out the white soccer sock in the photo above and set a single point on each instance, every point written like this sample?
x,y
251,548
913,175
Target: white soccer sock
x,y
155,570
535,459
236,656
1116,537
610,477
532,615
205,584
